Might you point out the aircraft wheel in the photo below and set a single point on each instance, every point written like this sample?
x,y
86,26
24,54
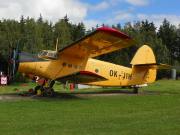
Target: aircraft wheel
x,y
48,91
38,87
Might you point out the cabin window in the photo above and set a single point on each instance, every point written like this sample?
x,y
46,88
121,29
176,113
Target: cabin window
x,y
43,53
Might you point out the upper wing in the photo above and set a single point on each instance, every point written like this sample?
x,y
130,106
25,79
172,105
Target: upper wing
x,y
103,40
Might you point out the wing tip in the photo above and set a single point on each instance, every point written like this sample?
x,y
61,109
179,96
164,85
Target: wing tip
x,y
114,32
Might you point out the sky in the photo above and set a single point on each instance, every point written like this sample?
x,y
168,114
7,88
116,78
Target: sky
x,y
93,12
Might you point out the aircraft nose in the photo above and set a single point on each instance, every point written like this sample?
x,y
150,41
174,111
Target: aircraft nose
x,y
26,67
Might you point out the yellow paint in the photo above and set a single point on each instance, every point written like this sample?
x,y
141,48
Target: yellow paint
x,y
116,75
144,55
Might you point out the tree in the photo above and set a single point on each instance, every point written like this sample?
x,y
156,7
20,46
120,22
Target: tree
x,y
167,33
62,32
77,31
34,35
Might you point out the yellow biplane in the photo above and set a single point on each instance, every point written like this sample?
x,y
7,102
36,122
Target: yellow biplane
x,y
76,62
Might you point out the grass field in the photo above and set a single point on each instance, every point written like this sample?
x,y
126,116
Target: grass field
x,y
155,110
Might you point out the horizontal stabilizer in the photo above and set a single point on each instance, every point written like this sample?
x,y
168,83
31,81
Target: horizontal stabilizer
x,y
82,77
154,66
163,66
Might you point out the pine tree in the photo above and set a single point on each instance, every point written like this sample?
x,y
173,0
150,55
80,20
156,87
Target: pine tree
x,y
167,33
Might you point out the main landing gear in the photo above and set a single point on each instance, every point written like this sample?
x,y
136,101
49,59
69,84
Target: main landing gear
x,y
45,90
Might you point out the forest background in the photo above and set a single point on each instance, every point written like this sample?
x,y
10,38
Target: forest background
x,y
35,35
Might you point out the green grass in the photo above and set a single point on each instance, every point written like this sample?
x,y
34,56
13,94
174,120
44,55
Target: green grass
x,y
156,110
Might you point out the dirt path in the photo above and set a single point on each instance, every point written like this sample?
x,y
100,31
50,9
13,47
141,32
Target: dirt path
x,y
11,97
60,96
6,97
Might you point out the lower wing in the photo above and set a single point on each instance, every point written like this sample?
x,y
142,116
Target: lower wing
x,y
82,77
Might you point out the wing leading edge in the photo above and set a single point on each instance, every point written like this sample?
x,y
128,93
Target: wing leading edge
x,y
103,40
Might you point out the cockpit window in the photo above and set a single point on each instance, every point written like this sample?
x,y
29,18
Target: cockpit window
x,y
48,54
54,55
43,53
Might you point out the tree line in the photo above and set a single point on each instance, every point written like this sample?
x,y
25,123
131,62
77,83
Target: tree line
x,y
33,35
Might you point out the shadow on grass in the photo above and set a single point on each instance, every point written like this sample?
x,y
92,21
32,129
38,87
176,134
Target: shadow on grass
x,y
81,95
61,96
77,95
27,96
109,91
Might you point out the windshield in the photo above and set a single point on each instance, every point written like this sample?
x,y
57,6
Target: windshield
x,y
48,54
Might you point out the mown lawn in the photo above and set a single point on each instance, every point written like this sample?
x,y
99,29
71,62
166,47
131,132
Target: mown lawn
x,y
156,110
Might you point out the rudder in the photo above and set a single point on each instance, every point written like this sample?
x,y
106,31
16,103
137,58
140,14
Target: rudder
x,y
142,65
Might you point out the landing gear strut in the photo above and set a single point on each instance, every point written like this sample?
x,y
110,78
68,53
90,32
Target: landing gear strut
x,y
49,91
45,91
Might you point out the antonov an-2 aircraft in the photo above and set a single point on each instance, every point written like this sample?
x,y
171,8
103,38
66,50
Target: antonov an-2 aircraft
x,y
76,62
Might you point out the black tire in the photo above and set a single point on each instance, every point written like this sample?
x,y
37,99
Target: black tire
x,y
48,91
38,87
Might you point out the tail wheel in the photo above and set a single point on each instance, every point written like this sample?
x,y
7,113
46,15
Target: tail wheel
x,y
135,90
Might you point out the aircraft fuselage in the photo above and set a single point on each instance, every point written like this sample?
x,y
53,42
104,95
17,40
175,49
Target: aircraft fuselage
x,y
116,75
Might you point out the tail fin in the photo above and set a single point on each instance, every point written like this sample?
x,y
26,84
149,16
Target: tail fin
x,y
142,65
144,56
